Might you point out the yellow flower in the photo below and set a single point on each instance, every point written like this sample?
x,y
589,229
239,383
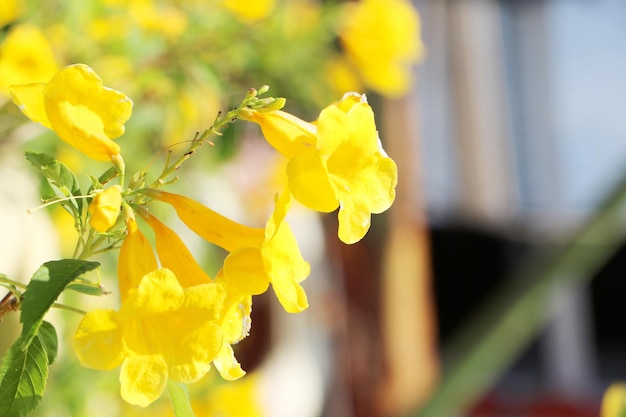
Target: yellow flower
x,y
76,105
235,399
105,208
10,10
168,20
250,11
25,57
614,401
234,319
381,38
336,163
161,331
257,256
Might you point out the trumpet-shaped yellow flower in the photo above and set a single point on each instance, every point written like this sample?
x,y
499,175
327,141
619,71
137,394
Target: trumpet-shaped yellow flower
x,y
336,163
105,208
382,39
76,105
257,256
25,57
161,331
234,320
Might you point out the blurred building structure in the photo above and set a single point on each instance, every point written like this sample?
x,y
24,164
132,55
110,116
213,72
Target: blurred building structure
x,y
522,133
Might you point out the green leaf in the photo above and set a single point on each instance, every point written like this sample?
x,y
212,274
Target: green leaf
x,y
44,288
23,377
179,397
48,336
57,173
88,289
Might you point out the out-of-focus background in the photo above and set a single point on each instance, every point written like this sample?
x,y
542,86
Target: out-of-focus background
x,y
475,295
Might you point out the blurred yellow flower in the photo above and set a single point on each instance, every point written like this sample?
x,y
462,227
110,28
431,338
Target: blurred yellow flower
x,y
105,208
614,401
25,57
336,163
167,20
257,256
10,10
250,11
382,39
161,331
76,105
235,399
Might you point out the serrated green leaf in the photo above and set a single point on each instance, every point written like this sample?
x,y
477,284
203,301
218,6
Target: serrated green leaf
x,y
23,378
45,287
48,336
57,173
179,397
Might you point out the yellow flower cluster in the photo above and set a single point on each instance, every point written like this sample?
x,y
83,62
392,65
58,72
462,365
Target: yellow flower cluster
x,y
175,321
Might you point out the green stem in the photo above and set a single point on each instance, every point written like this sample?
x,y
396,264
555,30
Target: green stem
x,y
507,322
69,308
6,280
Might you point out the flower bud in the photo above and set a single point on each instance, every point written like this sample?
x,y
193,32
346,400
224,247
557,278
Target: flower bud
x,y
105,208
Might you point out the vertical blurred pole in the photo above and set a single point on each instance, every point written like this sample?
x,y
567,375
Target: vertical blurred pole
x,y
407,311
485,154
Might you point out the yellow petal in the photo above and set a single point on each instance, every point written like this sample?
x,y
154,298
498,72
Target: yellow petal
x,y
136,259
308,182
211,225
174,255
227,364
105,208
29,99
354,222
158,292
245,269
286,268
286,133
194,354
98,340
143,379
84,113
